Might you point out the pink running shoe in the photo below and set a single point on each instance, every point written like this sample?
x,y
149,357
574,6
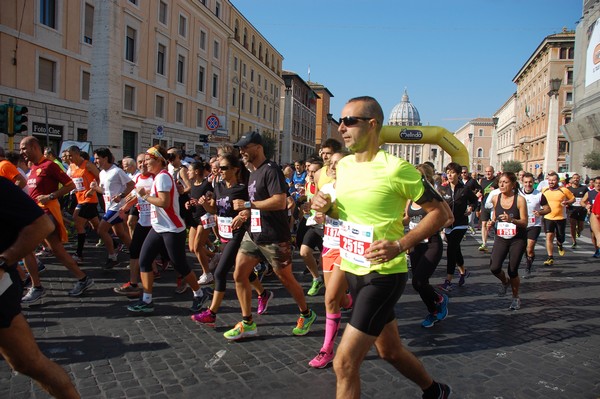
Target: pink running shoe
x,y
263,301
322,360
205,317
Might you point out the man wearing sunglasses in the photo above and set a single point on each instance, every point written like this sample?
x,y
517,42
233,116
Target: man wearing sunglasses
x,y
372,189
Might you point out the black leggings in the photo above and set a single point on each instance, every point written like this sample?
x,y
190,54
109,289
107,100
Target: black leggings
x,y
453,253
137,240
424,258
227,260
174,244
514,248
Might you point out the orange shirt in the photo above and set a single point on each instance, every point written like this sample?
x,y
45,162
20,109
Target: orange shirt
x,y
8,170
82,179
554,198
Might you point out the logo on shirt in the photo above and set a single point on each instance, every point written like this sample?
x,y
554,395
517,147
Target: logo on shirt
x,y
252,190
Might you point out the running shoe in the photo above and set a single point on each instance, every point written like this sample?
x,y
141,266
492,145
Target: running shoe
x,y
43,252
316,286
443,392
561,250
322,360
574,245
205,317
41,266
483,248
442,308
206,278
596,254
198,302
129,290
182,286
110,264
461,280
429,321
141,307
34,296
578,234
515,304
81,286
527,273
260,270
77,258
549,262
503,289
100,243
304,323
263,301
241,330
447,286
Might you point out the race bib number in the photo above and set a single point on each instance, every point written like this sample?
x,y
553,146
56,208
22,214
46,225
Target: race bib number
x,y
532,220
355,239
255,223
208,221
225,229
331,232
79,186
506,230
577,202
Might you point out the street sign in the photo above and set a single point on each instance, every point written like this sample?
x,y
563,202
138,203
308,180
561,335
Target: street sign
x,y
537,165
212,122
160,131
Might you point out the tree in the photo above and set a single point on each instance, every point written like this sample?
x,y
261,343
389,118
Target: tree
x,y
269,145
512,166
592,160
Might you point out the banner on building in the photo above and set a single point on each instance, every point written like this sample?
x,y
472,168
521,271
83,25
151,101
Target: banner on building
x,y
592,70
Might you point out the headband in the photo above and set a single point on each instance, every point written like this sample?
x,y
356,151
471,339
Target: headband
x,y
155,153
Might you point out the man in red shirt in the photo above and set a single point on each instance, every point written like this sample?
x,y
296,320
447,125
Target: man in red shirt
x,y
44,179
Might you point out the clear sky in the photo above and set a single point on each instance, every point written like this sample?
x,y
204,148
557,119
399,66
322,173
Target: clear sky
x,y
456,58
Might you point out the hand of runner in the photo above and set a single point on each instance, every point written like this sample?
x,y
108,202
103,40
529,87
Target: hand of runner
x,y
382,251
321,202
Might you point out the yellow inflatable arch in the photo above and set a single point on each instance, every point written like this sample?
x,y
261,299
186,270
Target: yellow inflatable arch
x,y
426,135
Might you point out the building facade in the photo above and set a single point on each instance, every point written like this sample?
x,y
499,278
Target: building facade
x,y
476,136
503,138
326,126
544,103
583,131
299,119
127,74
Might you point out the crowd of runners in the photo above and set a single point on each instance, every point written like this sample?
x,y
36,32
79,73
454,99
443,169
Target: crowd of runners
x,y
359,218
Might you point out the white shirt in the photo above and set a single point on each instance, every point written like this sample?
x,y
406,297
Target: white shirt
x,y
166,220
533,200
144,206
113,181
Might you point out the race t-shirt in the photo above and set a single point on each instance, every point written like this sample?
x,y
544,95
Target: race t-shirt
x,y
44,178
82,179
578,192
554,198
144,206
371,198
224,197
8,170
534,203
165,220
114,182
266,181
198,191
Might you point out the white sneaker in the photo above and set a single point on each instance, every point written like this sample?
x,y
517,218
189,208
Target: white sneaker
x,y
33,296
206,278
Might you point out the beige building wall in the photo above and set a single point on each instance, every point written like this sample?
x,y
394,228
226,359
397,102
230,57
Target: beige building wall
x,y
476,136
505,132
536,129
160,70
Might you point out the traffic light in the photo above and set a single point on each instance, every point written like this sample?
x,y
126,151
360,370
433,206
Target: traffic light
x,y
4,118
19,119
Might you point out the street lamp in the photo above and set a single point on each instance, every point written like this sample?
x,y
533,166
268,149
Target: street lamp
x,y
471,152
554,86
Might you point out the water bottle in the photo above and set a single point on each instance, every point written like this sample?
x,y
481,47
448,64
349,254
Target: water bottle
x,y
215,359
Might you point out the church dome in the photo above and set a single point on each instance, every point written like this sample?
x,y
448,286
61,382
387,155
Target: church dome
x,y
404,113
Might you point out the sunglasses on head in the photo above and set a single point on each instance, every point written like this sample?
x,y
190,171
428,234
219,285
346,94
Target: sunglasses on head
x,y
224,167
352,120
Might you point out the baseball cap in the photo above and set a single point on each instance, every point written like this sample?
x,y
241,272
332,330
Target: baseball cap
x,y
249,138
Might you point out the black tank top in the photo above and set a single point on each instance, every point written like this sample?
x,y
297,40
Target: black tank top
x,y
513,212
415,216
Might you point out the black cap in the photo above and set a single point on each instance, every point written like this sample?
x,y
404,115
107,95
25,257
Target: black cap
x,y
249,138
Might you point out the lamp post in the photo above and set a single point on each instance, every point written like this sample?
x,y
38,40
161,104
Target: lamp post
x,y
494,146
286,145
471,145
551,147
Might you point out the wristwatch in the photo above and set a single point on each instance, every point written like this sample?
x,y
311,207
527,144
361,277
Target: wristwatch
x,y
52,196
247,205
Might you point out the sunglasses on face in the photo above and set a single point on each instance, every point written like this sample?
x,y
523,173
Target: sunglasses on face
x,y
224,167
352,120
